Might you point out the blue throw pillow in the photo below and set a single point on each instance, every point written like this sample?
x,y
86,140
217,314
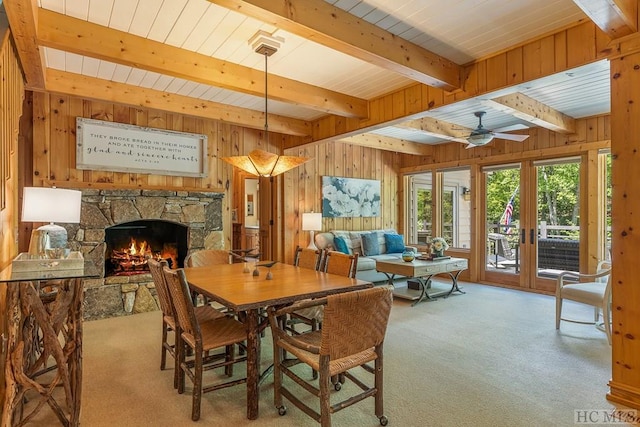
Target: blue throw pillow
x,y
341,245
370,245
394,242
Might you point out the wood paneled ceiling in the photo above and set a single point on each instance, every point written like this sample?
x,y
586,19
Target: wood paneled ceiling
x,y
194,56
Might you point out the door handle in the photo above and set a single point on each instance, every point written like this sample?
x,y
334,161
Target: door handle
x,y
531,235
523,236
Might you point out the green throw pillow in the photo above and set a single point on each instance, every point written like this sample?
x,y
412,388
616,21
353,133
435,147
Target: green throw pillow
x,y
394,242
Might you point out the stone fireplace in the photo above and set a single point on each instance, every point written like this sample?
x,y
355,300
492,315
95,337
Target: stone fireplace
x,y
189,220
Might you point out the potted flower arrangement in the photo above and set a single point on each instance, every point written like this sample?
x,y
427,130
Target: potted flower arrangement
x,y
438,246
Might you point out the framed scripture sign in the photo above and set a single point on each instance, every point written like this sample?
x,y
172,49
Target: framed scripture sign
x,y
120,147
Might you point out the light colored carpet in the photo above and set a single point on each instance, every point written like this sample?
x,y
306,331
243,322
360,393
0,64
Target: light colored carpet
x,y
491,357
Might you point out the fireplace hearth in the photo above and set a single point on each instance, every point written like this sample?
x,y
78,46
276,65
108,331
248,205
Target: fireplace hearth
x,y
165,220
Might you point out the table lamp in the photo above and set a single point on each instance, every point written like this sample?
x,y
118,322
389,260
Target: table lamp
x,y
312,222
40,204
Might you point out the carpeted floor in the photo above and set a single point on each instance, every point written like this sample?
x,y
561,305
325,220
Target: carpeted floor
x,y
491,357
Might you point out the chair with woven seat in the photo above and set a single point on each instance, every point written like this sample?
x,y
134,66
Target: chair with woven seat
x,y
342,264
590,289
352,336
202,338
206,257
311,259
203,313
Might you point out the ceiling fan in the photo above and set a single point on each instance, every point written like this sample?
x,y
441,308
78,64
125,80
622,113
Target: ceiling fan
x,y
481,136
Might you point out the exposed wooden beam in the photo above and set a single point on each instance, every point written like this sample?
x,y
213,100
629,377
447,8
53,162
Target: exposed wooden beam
x,y
104,90
328,25
532,111
617,18
381,142
84,38
438,128
23,19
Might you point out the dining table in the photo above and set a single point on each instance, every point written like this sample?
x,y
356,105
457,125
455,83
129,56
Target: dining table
x,y
248,290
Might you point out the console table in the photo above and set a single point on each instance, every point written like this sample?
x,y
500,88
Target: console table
x,y
43,364
422,272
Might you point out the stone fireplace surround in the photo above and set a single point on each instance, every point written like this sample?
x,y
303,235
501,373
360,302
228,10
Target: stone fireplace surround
x,y
124,295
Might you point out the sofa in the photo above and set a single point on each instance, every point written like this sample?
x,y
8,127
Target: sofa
x,y
366,248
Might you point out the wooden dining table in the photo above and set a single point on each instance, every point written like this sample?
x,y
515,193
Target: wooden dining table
x,y
247,293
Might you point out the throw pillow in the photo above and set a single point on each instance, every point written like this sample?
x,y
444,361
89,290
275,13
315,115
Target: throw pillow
x,y
370,244
394,242
341,245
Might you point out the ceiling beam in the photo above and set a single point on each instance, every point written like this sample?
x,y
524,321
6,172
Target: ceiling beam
x,y
84,38
437,128
532,111
617,18
23,20
330,26
104,90
387,143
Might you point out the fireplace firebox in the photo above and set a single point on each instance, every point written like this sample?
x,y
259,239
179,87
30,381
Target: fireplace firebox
x,y
130,244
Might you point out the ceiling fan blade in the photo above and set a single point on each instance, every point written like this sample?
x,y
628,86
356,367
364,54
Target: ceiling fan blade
x,y
510,136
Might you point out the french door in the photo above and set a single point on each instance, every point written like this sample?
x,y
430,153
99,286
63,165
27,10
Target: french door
x,y
525,204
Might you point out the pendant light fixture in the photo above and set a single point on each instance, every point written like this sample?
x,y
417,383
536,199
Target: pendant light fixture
x,y
259,162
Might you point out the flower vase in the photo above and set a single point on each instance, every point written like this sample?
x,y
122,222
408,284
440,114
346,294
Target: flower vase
x,y
438,254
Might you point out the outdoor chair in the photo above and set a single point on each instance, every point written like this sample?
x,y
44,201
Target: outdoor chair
x,y
202,338
352,336
596,291
203,314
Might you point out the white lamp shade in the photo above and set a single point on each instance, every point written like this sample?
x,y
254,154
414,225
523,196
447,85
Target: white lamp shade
x,y
312,221
40,204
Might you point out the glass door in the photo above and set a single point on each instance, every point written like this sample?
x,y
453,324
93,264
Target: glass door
x,y
503,218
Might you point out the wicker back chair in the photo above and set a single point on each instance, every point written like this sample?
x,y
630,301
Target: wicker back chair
x,y
203,314
206,257
342,264
352,335
308,258
202,338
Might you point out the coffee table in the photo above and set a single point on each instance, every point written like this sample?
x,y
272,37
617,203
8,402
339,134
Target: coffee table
x,y
422,272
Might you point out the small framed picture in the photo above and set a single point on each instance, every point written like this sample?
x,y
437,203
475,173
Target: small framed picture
x,y
234,215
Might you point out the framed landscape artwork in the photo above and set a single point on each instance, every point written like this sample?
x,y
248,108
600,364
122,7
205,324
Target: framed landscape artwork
x,y
350,197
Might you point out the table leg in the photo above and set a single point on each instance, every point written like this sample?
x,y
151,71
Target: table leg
x,y
253,361
425,283
454,286
389,278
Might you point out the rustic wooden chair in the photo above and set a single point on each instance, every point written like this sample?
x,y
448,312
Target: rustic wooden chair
x,y
352,336
311,259
202,338
203,313
591,289
206,257
342,264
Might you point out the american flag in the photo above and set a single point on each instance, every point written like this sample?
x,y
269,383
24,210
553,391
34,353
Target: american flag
x,y
506,216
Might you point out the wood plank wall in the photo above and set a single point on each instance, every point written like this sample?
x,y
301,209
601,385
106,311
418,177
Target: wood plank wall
x,y
11,98
303,188
54,143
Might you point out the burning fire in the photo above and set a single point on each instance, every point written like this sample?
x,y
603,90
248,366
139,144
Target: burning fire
x,y
133,258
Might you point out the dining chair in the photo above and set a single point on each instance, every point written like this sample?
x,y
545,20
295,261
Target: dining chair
x,y
203,313
202,338
311,259
206,257
590,289
352,336
342,264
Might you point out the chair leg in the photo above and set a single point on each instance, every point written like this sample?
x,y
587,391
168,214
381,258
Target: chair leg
x,y
378,381
163,355
606,317
277,375
180,357
596,314
325,403
558,311
197,386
